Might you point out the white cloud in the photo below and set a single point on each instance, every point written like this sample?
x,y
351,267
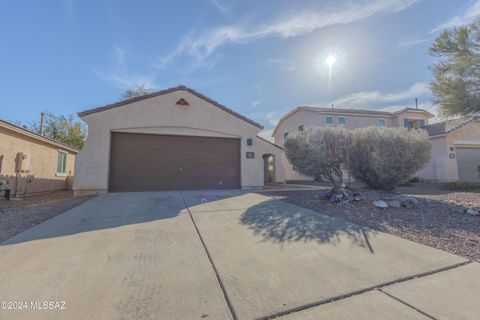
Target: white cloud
x,y
256,103
201,46
68,8
407,42
363,98
468,16
223,6
274,116
121,78
127,80
282,64
267,135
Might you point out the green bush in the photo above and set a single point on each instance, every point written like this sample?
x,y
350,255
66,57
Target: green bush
x,y
462,186
384,158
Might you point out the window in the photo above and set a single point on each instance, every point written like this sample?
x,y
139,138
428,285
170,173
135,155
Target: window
x,y
285,135
249,142
342,121
381,123
62,162
300,128
413,123
329,120
250,155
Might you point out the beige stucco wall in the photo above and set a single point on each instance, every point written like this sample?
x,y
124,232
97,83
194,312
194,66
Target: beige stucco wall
x,y
42,176
441,167
314,119
411,115
161,115
309,118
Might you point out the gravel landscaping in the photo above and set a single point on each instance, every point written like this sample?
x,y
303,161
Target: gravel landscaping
x,y
439,219
21,214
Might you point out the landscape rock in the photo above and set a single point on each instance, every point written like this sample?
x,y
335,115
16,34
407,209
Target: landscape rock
x,y
335,198
357,197
473,212
380,204
409,202
323,195
394,203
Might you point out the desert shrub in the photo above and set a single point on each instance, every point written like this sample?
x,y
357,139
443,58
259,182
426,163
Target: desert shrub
x,y
320,152
411,181
415,180
462,186
383,158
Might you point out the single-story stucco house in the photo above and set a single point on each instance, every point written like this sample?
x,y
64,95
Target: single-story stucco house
x,y
455,150
32,163
174,139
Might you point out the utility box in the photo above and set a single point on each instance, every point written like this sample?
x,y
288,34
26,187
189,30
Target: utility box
x,y
22,162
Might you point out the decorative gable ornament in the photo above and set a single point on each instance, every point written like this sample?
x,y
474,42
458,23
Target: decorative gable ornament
x,y
182,102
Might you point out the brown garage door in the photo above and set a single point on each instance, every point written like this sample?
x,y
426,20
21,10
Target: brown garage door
x,y
140,162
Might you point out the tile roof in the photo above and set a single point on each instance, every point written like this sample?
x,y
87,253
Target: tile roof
x,y
364,111
273,144
341,110
169,90
18,129
447,126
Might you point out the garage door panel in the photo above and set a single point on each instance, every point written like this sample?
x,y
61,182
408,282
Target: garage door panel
x,y
140,162
468,163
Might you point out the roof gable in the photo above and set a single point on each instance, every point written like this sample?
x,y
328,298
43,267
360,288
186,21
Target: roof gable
x,y
166,91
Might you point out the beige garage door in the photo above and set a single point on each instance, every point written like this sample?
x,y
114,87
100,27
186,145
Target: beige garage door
x,y
468,162
141,162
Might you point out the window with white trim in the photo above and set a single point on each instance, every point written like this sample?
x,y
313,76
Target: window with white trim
x,y
381,122
62,162
329,120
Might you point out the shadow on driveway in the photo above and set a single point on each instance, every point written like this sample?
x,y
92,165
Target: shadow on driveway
x,y
118,209
279,222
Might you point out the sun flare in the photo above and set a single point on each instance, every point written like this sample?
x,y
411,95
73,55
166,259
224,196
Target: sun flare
x,y
330,61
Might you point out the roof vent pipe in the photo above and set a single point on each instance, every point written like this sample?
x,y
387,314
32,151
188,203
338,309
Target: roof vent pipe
x,y
41,122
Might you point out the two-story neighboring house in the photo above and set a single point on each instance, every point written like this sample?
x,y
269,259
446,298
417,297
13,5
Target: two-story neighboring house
x,y
302,117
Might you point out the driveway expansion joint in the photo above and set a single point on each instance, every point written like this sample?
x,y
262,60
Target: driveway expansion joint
x,y
361,291
407,304
217,274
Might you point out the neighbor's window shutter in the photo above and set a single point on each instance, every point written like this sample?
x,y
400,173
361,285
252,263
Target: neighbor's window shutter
x,y
406,123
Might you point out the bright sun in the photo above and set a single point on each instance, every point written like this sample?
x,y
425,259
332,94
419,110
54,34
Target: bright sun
x,y
330,61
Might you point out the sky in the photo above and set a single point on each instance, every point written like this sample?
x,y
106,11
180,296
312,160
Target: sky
x,y
259,58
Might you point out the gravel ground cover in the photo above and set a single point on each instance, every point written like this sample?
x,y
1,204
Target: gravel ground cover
x,y
438,220
19,215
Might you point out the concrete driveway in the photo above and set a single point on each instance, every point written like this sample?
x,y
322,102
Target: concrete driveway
x,y
225,255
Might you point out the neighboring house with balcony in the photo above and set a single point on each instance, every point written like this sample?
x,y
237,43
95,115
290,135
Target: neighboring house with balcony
x,y
32,163
303,117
